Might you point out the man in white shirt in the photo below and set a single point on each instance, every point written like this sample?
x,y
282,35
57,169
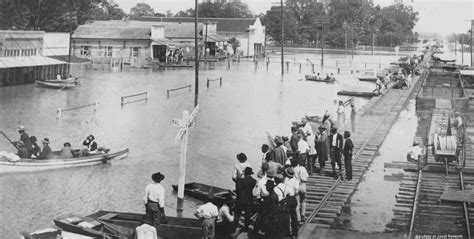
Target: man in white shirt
x,y
208,213
458,123
415,152
155,199
301,175
292,187
303,150
238,171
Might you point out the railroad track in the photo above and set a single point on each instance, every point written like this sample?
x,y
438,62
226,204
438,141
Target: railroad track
x,y
430,216
326,196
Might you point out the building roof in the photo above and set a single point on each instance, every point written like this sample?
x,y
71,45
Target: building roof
x,y
112,32
130,29
223,24
10,62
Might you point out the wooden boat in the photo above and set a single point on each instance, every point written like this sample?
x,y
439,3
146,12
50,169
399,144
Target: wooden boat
x,y
108,224
314,119
202,191
59,84
30,165
315,78
368,94
370,76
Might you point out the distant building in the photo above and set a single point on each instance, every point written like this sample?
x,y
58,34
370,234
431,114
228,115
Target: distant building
x,y
24,56
249,31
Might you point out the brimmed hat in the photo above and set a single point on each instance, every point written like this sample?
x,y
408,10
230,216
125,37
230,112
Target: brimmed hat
x,y
289,172
278,139
322,127
21,127
46,140
241,157
157,177
248,171
284,138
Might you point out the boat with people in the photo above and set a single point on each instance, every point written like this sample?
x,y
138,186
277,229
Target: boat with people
x,y
68,83
56,162
367,94
202,191
319,79
110,224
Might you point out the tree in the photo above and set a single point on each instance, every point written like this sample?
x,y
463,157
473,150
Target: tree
x,y
219,10
272,22
234,43
187,13
141,9
55,15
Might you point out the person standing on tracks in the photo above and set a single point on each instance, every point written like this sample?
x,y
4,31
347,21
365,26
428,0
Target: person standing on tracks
x,y
347,152
309,136
323,147
244,200
281,210
302,176
292,187
280,154
353,116
341,115
336,150
303,149
458,123
208,214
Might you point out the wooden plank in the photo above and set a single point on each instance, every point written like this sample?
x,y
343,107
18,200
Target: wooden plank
x,y
457,195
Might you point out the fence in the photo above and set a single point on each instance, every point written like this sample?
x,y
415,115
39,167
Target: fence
x,y
175,89
59,111
123,98
218,79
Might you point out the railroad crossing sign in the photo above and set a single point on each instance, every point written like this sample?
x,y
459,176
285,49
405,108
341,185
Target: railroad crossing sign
x,y
184,124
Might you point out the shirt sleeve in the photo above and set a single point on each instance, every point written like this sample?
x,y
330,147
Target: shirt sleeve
x,y
227,215
145,198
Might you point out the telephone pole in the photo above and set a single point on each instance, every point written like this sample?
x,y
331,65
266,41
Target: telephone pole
x,y
282,39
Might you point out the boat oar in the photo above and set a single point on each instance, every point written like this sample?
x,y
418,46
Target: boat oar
x,y
4,135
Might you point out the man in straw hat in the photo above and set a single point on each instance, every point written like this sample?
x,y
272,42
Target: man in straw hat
x,y
292,187
46,152
155,199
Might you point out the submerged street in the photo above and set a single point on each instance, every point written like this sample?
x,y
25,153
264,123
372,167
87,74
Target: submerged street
x,y
232,119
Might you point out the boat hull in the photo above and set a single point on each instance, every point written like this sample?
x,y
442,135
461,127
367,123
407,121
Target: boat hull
x,y
357,94
201,191
67,84
173,227
368,79
313,78
32,165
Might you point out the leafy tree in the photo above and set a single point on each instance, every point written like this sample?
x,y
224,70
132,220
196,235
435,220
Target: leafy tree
x,y
272,22
218,10
141,9
187,13
235,43
55,15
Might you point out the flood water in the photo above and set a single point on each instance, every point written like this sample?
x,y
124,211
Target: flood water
x,y
232,119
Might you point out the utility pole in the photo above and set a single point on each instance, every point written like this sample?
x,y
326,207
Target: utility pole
x,y
472,62
196,60
373,42
205,48
322,39
282,39
462,49
455,46
352,41
345,39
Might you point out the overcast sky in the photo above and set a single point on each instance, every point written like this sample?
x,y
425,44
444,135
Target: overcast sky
x,y
441,16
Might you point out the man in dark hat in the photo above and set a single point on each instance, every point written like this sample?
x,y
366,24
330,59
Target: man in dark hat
x,y
46,152
268,154
323,148
347,152
244,200
238,171
155,199
36,148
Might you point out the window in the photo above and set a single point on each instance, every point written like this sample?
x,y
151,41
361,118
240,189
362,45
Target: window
x,y
85,51
134,51
23,52
34,52
108,51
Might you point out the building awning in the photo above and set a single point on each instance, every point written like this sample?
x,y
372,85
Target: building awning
x,y
215,38
11,62
163,41
467,72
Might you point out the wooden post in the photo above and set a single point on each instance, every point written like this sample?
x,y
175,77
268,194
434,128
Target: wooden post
x,y
220,82
300,68
184,124
207,83
182,165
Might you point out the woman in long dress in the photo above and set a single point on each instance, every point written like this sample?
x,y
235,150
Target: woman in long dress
x,y
341,116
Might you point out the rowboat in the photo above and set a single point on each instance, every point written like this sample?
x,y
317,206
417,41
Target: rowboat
x,y
59,84
367,94
202,192
182,65
318,79
30,165
109,224
314,119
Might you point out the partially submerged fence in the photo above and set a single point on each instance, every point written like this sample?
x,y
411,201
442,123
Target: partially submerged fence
x,y
134,96
59,111
175,89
